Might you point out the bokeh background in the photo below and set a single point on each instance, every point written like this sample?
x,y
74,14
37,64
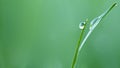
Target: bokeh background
x,y
44,34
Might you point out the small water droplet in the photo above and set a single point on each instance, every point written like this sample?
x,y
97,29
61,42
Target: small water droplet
x,y
82,25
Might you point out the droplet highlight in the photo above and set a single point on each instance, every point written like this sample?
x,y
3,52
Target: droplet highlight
x,y
82,25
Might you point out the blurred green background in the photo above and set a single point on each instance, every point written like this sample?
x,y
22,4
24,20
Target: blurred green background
x,y
44,34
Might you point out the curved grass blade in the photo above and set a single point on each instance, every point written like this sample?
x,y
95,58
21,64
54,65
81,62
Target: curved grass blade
x,y
93,24
77,48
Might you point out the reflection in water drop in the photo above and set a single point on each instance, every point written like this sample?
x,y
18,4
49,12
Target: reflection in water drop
x,y
82,25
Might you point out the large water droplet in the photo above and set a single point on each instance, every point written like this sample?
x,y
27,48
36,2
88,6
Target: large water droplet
x,y
94,22
82,25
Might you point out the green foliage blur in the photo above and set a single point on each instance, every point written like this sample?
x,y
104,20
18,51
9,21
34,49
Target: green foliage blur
x,y
44,34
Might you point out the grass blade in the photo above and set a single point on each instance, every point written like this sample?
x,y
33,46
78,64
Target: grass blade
x,y
93,24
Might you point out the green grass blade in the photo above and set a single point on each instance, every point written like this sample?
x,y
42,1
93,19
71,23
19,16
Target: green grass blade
x,y
93,24
76,52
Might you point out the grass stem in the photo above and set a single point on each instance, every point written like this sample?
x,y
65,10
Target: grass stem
x,y
80,44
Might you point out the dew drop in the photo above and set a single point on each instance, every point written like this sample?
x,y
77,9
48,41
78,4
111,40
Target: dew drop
x,y
82,25
94,22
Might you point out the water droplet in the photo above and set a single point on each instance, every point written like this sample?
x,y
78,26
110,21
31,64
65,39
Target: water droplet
x,y
94,22
82,25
